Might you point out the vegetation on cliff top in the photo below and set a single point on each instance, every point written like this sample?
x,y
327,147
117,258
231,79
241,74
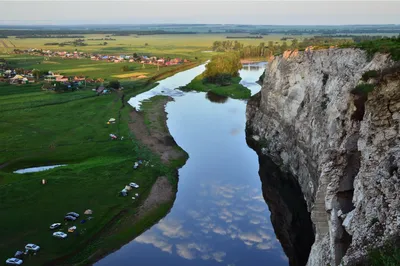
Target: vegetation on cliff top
x,y
275,48
383,45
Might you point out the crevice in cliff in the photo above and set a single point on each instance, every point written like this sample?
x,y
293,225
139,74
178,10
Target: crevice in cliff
x,y
359,103
342,246
325,79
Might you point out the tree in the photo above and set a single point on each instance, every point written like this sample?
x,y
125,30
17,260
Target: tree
x,y
125,68
114,84
36,73
284,47
105,43
222,67
295,44
146,44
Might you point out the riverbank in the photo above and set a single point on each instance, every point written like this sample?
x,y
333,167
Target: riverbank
x,y
98,168
150,130
234,90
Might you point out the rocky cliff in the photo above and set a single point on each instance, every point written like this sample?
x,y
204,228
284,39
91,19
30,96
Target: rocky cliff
x,y
331,119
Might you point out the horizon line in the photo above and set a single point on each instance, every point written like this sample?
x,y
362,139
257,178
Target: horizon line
x,y
172,23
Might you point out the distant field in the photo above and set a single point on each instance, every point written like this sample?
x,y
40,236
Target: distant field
x,y
157,44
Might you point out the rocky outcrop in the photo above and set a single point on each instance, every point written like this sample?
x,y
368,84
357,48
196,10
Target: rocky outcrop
x,y
339,140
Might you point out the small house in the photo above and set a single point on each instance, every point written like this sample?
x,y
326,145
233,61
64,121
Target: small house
x,y
60,78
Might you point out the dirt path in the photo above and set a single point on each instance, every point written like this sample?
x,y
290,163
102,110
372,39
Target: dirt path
x,y
150,128
4,44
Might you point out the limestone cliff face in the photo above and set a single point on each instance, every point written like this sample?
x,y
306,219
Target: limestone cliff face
x,y
342,145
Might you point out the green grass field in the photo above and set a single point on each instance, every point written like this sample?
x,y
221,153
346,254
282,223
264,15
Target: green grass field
x,y
46,128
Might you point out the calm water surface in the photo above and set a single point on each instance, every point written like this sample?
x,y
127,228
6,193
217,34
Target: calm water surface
x,y
219,216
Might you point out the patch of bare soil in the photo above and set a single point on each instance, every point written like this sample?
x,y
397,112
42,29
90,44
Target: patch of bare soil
x,y
150,128
161,192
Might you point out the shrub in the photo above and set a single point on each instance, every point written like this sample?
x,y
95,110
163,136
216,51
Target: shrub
x,y
364,88
370,74
389,255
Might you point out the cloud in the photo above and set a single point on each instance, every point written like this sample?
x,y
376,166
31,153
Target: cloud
x,y
240,212
183,251
255,221
147,238
265,246
219,230
218,256
172,228
250,237
257,208
264,235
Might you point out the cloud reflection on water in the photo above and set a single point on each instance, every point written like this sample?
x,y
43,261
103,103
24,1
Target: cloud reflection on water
x,y
224,212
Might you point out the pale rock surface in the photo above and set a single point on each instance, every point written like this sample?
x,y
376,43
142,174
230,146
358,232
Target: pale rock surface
x,y
345,159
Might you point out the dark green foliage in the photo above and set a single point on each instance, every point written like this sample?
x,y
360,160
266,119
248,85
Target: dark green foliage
x,y
384,45
234,90
222,79
222,67
389,255
363,89
370,74
61,87
114,84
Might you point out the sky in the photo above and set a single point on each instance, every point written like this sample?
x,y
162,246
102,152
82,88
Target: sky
x,y
262,12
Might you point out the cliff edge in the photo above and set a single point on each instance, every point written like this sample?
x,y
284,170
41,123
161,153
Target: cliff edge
x,y
331,119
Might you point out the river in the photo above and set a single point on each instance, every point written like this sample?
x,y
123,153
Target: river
x,y
219,216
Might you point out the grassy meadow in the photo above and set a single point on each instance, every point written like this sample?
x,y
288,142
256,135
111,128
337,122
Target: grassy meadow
x,y
46,128
157,44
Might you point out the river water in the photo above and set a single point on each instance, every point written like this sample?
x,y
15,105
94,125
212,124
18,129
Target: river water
x,y
219,216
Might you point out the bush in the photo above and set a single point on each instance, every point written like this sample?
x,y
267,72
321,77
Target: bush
x,y
388,255
364,88
114,84
370,74
223,79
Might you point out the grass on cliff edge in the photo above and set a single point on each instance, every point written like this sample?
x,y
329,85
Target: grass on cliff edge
x,y
384,45
45,128
235,90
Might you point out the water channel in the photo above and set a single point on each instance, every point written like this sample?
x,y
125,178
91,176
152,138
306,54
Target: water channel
x,y
219,216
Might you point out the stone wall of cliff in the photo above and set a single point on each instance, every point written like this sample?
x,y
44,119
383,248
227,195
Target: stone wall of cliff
x,y
341,144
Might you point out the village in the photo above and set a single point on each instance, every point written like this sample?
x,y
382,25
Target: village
x,y
11,75
143,59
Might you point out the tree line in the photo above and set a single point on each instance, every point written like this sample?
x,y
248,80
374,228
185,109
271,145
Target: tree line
x,y
273,48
